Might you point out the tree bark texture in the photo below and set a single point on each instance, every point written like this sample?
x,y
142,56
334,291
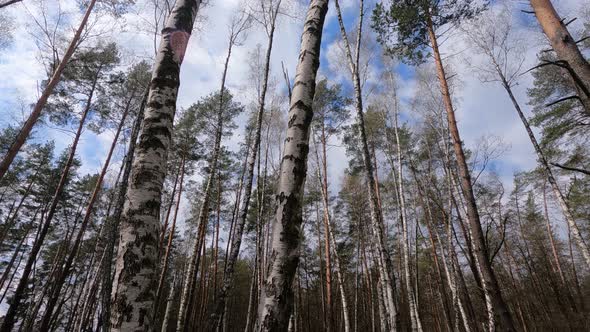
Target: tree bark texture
x,y
136,264
276,300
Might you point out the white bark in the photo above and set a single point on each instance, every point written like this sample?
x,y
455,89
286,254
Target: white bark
x,y
414,315
383,260
276,300
136,264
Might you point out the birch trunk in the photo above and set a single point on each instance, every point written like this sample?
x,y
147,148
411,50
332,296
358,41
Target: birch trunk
x,y
548,173
566,48
36,113
276,300
479,245
136,263
412,299
203,213
383,260
220,305
113,222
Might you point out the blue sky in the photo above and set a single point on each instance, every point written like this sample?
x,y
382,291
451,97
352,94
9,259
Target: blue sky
x,y
483,108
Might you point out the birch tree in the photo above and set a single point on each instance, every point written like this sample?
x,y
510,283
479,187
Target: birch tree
x,y
135,269
493,36
276,299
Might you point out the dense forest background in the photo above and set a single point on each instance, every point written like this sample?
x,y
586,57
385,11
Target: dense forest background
x,y
274,165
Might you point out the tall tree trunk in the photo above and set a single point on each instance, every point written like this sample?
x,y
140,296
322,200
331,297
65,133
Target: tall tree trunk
x,y
410,292
479,245
19,293
330,241
276,300
169,303
73,252
217,221
135,273
566,48
111,229
324,184
548,173
219,307
203,213
383,259
25,131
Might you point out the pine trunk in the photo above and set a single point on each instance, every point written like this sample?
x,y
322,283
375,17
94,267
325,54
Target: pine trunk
x,y
36,113
566,48
490,283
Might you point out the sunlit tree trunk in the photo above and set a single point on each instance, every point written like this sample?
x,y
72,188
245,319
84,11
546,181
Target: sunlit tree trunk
x,y
490,283
276,300
136,265
566,48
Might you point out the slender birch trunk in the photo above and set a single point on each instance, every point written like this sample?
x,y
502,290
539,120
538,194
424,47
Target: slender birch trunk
x,y
220,305
565,209
25,131
566,48
276,300
136,264
382,256
479,245
112,229
412,298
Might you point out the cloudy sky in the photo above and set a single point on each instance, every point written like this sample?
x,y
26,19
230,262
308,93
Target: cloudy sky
x,y
483,108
